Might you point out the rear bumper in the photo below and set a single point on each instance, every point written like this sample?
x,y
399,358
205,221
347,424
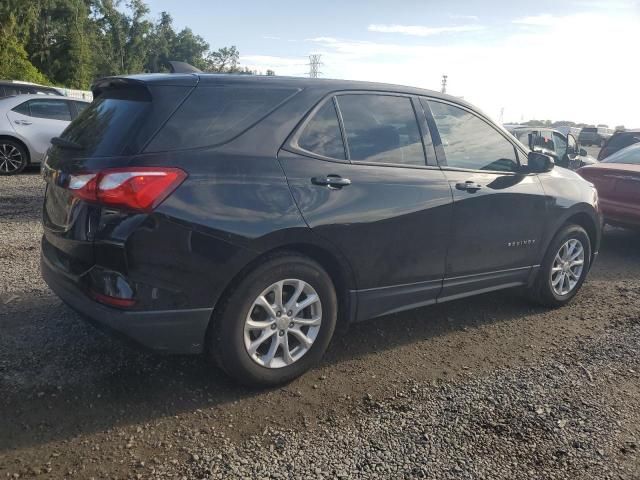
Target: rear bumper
x,y
165,331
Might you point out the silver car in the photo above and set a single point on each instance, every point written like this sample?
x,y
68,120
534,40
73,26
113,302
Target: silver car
x,y
27,125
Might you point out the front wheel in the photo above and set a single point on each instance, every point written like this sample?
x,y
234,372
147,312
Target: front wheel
x,y
277,323
564,268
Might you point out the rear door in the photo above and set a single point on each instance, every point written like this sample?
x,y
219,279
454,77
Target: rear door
x,y
498,214
374,196
38,121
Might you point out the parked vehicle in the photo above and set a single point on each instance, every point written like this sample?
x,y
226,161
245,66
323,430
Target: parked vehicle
x,y
562,148
246,216
618,141
27,124
617,179
594,136
10,88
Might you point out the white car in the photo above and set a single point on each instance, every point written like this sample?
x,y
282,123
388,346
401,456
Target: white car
x,y
27,125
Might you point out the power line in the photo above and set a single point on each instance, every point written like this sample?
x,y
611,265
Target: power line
x,y
314,63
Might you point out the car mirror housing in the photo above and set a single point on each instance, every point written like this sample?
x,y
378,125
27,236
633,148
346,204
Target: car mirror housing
x,y
539,162
583,152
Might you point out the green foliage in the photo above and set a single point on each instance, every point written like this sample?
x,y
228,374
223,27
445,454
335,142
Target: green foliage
x,y
74,42
14,62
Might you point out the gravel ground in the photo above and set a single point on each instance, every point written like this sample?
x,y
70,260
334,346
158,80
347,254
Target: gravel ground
x,y
489,387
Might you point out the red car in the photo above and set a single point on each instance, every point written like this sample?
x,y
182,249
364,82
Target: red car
x,y
617,179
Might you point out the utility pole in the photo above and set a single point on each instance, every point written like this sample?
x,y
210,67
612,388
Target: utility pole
x,y
444,83
314,63
501,119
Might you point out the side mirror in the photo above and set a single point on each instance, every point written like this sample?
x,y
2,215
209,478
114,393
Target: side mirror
x,y
539,163
583,152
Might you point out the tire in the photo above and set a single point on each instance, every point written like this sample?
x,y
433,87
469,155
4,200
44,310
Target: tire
x,y
230,337
13,157
543,290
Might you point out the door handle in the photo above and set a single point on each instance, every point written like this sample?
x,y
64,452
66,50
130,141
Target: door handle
x,y
332,181
22,122
469,186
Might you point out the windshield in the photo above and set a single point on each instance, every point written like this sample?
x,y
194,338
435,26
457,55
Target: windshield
x,y
626,155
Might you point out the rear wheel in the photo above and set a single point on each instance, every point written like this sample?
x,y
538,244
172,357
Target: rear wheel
x,y
277,323
13,157
564,267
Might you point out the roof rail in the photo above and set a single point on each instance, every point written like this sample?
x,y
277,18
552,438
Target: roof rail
x,y
183,67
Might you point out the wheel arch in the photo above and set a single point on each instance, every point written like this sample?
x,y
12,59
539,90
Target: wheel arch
x,y
584,220
19,141
338,270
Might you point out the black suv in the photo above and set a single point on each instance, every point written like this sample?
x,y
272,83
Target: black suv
x,y
246,217
618,141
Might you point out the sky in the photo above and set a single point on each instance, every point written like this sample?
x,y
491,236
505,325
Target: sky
x,y
558,60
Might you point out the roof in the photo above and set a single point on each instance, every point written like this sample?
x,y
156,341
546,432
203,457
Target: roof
x,y
192,79
18,99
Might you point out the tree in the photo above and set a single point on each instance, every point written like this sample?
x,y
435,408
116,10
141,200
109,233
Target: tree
x,y
224,60
270,73
190,48
14,59
73,42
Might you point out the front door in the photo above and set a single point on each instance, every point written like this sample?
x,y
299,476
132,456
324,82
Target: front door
x,y
498,214
374,197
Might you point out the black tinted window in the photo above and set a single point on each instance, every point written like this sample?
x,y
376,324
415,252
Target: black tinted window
x,y
23,108
469,142
622,140
50,109
80,106
107,125
322,134
214,115
381,128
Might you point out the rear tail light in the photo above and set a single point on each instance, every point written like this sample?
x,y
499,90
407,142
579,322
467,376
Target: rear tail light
x,y
139,188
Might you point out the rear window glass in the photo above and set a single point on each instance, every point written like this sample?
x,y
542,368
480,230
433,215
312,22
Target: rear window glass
x,y
107,125
622,140
215,115
589,130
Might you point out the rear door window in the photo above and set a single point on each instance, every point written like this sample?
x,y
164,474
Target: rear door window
x,y
321,135
381,128
50,109
214,115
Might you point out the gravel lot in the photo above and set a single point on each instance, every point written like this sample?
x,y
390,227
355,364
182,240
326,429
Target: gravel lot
x,y
489,387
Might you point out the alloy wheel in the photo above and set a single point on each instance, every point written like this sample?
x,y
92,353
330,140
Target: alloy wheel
x,y
567,267
282,323
10,158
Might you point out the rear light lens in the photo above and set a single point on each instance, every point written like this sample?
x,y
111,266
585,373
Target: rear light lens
x,y
140,188
112,301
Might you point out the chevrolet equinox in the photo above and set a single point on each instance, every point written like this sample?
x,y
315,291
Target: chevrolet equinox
x,y
246,217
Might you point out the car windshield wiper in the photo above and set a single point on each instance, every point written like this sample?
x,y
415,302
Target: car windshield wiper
x,y
61,142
